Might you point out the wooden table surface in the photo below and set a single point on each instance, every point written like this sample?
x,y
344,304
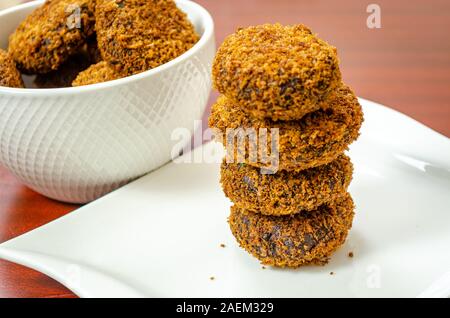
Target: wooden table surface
x,y
404,65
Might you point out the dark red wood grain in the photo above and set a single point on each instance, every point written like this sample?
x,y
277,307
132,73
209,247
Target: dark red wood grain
x,y
404,65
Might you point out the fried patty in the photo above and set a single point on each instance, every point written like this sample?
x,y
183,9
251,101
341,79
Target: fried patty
x,y
9,75
285,192
316,139
97,73
274,71
137,35
293,241
51,34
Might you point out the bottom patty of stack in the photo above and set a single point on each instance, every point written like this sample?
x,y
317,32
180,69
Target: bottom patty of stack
x,y
308,237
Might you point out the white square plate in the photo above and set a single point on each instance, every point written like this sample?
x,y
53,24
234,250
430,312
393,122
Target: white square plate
x,y
160,236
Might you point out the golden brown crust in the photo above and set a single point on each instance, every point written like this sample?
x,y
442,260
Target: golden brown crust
x,y
285,192
137,35
97,73
49,35
9,75
293,241
316,139
274,71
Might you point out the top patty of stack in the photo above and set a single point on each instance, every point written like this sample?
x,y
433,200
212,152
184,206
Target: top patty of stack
x,y
277,72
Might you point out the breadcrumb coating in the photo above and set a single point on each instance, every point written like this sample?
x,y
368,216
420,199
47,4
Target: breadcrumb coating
x,y
274,71
97,73
316,139
9,75
138,35
51,34
293,241
285,192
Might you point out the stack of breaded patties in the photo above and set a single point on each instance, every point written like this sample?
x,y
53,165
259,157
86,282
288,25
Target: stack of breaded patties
x,y
285,77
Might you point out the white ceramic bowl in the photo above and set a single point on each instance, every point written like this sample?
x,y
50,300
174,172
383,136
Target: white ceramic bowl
x,y
77,144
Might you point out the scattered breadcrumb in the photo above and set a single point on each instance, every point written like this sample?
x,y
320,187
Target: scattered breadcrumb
x,y
263,267
223,245
212,278
350,254
331,273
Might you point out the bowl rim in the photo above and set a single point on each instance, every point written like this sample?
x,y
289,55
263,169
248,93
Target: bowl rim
x,y
206,37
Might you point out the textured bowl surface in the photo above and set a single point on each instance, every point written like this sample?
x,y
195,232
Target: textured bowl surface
x,y
77,144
